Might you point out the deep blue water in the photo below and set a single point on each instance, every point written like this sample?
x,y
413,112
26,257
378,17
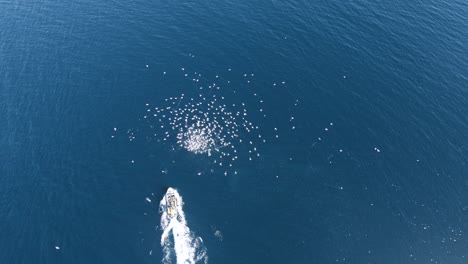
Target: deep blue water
x,y
390,76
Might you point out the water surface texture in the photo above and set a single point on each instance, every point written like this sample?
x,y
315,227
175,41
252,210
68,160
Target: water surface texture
x,y
353,147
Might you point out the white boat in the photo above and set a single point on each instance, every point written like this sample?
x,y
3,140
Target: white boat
x,y
171,203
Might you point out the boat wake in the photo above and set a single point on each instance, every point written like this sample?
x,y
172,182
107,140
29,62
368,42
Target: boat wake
x,y
178,242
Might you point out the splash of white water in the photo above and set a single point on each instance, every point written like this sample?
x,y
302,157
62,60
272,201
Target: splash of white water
x,y
177,240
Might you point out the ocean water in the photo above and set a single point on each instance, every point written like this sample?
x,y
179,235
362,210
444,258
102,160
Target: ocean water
x,y
362,106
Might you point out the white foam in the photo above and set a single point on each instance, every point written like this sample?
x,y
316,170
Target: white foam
x,y
178,242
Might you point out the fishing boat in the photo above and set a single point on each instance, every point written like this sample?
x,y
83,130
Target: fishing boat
x,y
171,203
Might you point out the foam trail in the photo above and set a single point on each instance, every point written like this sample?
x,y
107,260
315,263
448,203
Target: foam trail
x,y
177,240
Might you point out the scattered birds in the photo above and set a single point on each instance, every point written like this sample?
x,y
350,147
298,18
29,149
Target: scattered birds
x,y
210,123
